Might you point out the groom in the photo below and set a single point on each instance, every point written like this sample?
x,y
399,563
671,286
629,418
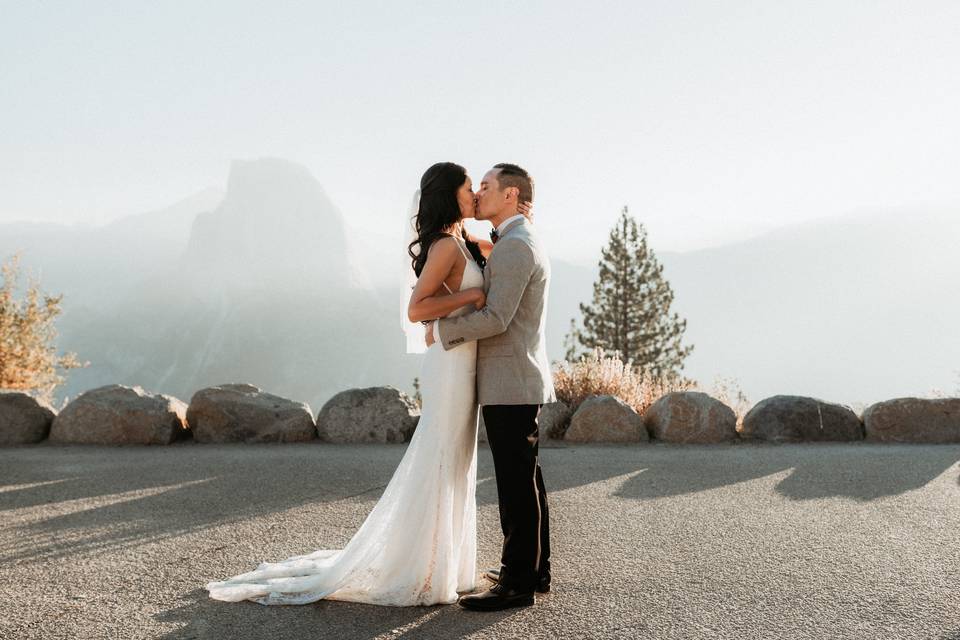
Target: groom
x,y
513,382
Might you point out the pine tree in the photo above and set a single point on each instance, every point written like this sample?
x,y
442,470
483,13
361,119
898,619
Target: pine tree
x,y
629,313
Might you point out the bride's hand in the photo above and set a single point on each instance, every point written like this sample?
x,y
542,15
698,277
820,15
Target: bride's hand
x,y
480,298
526,208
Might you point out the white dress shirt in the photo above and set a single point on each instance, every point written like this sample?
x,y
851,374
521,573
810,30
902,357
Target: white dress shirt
x,y
500,228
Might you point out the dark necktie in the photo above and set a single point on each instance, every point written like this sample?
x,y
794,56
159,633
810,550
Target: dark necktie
x,y
494,236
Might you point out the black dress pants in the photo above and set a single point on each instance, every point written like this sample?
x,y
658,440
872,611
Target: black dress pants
x,y
513,436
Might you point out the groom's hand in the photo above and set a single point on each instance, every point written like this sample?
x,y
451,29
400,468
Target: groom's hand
x,y
430,338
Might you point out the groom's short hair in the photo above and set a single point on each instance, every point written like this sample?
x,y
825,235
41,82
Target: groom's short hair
x,y
511,175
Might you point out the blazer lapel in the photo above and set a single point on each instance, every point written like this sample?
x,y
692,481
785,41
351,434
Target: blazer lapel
x,y
486,269
513,225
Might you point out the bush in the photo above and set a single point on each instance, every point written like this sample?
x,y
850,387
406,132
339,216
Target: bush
x,y
28,360
727,391
601,374
598,373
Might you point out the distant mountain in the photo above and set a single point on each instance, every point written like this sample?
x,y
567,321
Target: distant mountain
x,y
275,227
262,291
263,283
91,265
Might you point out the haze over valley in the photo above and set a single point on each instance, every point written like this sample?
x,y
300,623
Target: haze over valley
x,y
263,280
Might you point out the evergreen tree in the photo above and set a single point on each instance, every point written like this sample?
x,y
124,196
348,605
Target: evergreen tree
x,y
629,313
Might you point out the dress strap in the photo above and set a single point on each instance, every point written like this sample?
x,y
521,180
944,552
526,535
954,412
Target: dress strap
x,y
447,288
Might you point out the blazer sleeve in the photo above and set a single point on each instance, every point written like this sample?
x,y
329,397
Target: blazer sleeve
x,y
511,267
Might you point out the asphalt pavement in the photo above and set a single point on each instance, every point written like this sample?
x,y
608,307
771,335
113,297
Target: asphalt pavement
x,y
737,541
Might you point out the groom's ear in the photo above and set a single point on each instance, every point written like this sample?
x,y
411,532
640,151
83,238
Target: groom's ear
x,y
510,176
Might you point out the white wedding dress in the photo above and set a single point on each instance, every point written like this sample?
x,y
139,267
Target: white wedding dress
x,y
418,545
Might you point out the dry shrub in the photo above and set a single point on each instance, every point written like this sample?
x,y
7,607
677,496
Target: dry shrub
x,y
938,393
28,360
728,391
599,373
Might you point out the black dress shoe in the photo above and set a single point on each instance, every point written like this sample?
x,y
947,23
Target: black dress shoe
x,y
497,597
543,584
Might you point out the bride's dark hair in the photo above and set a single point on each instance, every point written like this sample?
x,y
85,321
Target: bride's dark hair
x,y
439,209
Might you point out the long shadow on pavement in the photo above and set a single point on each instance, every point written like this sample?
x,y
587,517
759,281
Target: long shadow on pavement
x,y
862,471
109,498
126,496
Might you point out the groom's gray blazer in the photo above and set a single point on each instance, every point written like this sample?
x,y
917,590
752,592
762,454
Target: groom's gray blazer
x,y
512,364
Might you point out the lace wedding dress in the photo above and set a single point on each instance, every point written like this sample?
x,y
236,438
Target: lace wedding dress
x,y
418,544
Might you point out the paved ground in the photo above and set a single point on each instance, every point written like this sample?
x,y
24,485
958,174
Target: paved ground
x,y
650,541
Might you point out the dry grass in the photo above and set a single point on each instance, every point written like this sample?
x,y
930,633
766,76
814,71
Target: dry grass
x,y
600,373
728,391
937,392
28,359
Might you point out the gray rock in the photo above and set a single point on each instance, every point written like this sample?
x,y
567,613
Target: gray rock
x,y
117,414
23,418
605,419
786,418
554,418
374,414
929,420
245,413
690,417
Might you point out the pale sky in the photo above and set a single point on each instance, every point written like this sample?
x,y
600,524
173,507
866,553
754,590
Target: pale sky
x,y
711,120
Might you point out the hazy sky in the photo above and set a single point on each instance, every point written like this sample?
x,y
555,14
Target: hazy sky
x,y
710,119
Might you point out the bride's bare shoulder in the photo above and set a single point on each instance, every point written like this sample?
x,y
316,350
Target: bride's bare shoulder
x,y
442,247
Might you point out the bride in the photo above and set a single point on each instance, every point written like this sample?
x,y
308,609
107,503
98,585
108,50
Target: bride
x,y
418,544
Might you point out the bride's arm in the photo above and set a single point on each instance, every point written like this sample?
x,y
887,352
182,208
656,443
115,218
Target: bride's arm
x,y
425,304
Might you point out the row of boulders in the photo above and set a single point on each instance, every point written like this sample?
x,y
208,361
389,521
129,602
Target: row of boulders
x,y
695,417
117,414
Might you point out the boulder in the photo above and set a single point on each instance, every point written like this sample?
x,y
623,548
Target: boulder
x,y
786,418
23,418
690,417
245,413
553,419
374,414
605,419
117,414
929,420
